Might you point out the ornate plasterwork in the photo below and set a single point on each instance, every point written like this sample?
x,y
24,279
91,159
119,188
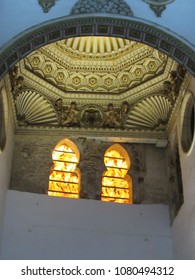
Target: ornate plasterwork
x,y
145,104
101,6
152,113
148,114
158,6
84,72
34,109
54,73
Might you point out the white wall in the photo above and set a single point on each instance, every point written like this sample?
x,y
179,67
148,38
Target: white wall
x,y
42,227
184,224
5,166
26,14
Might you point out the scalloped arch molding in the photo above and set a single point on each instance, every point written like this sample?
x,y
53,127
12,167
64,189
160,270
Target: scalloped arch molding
x,y
99,25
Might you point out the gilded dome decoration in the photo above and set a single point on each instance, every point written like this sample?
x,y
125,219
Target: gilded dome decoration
x,y
96,45
108,84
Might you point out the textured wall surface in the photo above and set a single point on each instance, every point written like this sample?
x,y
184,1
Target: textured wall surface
x,y
32,163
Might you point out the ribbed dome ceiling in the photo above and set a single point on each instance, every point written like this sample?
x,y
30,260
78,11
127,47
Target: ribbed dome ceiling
x,y
96,45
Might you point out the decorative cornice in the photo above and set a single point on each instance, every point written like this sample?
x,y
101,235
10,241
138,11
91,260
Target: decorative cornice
x,y
98,25
115,135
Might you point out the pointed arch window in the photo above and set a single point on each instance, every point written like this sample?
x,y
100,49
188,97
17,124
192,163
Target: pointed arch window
x,y
64,179
116,183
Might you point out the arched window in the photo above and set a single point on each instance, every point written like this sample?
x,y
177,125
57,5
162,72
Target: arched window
x,y
187,122
64,179
3,118
116,183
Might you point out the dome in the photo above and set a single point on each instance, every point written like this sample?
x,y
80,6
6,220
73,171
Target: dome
x,y
96,45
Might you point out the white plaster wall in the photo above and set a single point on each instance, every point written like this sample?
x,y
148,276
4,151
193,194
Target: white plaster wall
x,y
5,167
42,227
184,225
19,15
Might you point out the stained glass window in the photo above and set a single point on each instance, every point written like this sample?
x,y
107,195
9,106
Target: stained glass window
x,y
116,183
64,179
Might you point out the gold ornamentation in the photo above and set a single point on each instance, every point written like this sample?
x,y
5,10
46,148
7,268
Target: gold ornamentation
x,y
125,79
92,81
108,82
150,113
48,69
33,109
152,65
36,61
76,80
138,72
60,76
82,74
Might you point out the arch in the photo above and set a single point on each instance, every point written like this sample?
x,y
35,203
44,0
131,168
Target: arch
x,y
116,183
187,122
64,178
3,118
138,30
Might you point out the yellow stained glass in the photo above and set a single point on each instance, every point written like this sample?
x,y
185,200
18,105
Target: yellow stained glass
x,y
116,184
64,178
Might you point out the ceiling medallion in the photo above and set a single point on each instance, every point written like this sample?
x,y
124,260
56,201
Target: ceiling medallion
x,y
158,6
47,4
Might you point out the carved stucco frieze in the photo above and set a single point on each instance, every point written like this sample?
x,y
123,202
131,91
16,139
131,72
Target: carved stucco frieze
x,y
32,109
99,114
133,95
116,77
